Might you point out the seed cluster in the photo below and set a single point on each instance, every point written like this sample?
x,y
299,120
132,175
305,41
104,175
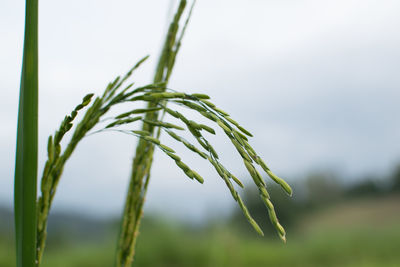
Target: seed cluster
x,y
56,158
237,134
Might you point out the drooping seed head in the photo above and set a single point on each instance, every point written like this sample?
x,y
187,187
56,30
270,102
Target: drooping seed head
x,y
207,128
237,181
198,177
220,111
182,165
237,137
175,136
152,139
223,126
189,173
201,96
208,103
246,213
264,192
244,131
285,186
144,133
174,156
167,148
171,112
50,148
232,121
241,151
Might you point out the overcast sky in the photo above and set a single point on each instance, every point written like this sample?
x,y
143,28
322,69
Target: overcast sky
x,y
317,82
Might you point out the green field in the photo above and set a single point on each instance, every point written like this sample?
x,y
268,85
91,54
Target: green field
x,y
356,233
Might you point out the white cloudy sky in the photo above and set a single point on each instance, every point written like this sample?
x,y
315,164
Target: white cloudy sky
x,y
316,81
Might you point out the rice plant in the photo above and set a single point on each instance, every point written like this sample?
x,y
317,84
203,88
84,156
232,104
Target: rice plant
x,y
31,233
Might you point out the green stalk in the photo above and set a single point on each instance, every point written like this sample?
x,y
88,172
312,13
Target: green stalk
x,y
27,135
140,175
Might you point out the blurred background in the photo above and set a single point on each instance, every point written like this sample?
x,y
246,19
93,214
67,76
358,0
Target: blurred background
x,y
315,81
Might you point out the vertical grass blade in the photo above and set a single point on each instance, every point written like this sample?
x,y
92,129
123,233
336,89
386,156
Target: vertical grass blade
x,y
27,135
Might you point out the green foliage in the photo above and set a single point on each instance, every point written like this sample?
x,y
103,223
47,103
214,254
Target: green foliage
x,y
165,244
26,152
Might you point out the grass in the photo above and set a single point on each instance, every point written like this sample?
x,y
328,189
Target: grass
x,y
169,246
27,144
318,241
325,242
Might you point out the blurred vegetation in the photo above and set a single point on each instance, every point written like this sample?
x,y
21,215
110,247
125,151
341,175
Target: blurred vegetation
x,y
330,223
319,191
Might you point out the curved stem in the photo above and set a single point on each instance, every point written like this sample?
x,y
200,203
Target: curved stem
x,y
142,162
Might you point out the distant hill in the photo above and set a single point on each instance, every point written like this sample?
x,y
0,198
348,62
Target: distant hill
x,y
74,226
63,226
373,212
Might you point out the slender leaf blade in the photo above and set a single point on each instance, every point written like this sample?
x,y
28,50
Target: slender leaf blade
x,y
26,151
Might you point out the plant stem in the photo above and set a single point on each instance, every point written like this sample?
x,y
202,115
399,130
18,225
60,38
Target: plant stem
x,y
142,162
26,151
